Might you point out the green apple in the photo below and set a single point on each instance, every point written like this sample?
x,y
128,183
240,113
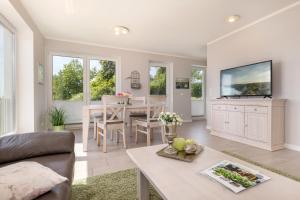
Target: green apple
x,y
179,144
190,141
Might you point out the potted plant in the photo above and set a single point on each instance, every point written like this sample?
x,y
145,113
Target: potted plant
x,y
170,122
57,119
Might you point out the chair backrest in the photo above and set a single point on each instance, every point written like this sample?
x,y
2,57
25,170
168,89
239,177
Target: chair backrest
x,y
114,108
138,100
153,99
153,111
111,99
114,113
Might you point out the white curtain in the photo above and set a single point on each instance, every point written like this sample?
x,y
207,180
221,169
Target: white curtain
x,y
7,81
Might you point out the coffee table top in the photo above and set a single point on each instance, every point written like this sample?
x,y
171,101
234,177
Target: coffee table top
x,y
177,180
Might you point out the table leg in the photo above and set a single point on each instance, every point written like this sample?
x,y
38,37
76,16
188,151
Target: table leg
x,y
142,186
85,127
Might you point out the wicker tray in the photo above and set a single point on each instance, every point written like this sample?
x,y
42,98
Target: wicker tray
x,y
181,155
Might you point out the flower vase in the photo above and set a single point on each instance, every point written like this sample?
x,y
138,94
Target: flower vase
x,y
170,134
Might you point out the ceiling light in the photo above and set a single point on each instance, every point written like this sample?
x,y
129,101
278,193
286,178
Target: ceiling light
x,y
233,18
121,30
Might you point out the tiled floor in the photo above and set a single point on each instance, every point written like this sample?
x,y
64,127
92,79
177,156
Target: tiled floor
x,y
94,162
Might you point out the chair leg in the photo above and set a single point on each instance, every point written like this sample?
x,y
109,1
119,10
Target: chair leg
x,y
118,137
95,129
98,136
136,134
162,135
148,137
130,127
124,136
151,134
104,139
112,134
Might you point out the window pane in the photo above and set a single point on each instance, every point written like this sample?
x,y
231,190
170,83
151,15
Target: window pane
x,y
67,79
7,82
102,78
196,83
158,80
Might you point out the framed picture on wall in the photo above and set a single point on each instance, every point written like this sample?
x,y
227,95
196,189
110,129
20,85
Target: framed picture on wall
x,y
182,83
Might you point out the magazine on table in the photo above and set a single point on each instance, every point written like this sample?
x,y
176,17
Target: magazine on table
x,y
234,176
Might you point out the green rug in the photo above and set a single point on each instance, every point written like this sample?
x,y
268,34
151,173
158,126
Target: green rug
x,y
286,174
113,186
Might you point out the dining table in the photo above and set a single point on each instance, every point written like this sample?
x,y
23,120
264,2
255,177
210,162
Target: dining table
x,y
88,110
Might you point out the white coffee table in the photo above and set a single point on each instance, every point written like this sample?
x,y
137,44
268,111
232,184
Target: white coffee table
x,y
177,180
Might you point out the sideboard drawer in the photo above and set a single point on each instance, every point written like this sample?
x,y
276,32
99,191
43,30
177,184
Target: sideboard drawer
x,y
235,108
256,109
219,107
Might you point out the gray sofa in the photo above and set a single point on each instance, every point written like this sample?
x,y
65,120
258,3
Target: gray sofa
x,y
53,150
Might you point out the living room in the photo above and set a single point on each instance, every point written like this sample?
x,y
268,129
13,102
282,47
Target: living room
x,y
130,100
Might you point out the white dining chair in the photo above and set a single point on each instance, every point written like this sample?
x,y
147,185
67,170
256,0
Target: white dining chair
x,y
137,114
114,119
112,99
146,125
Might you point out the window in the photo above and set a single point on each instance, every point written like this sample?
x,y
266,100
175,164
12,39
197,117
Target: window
x,y
197,83
158,80
102,78
7,81
67,78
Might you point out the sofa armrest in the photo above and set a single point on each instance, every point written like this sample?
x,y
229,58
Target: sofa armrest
x,y
21,146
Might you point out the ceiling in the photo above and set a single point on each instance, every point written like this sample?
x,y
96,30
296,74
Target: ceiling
x,y
178,27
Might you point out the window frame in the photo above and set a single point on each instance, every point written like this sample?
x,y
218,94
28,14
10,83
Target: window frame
x,y
86,71
6,24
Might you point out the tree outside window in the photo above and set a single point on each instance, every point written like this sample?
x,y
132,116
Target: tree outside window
x,y
102,78
158,82
67,84
67,80
197,83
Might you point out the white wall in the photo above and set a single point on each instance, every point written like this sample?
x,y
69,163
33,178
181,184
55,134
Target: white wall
x,y
278,39
30,97
131,60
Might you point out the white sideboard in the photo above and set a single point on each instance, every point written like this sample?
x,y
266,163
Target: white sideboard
x,y
256,122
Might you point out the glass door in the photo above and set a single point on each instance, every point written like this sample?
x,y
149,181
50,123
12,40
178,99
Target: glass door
x,y
159,82
198,91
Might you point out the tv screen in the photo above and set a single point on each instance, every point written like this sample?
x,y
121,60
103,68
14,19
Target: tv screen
x,y
249,80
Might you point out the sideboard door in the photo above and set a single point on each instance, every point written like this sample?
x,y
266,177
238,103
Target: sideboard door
x,y
235,123
219,119
256,126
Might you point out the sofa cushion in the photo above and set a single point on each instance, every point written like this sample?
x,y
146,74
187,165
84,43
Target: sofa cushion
x,y
61,163
27,180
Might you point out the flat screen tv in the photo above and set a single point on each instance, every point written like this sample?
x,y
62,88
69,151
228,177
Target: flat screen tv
x,y
248,80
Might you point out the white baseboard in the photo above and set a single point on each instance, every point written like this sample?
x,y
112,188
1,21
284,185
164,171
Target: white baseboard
x,y
187,121
199,118
292,147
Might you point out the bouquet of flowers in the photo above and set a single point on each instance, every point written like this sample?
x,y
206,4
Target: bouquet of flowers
x,y
124,94
168,118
